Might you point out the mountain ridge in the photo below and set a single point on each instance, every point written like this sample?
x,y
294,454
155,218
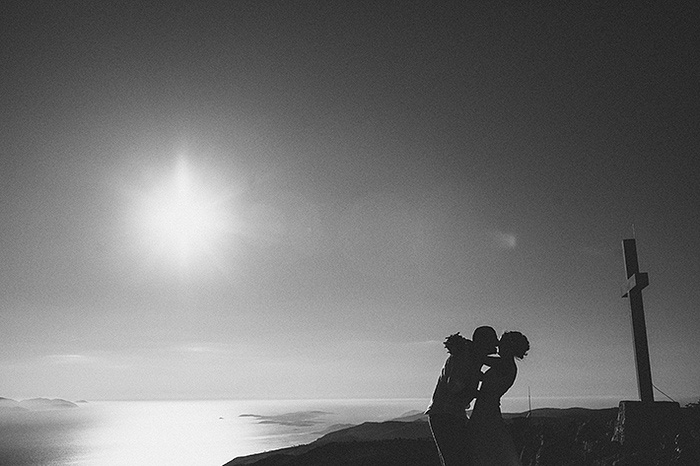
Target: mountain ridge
x,y
410,426
35,404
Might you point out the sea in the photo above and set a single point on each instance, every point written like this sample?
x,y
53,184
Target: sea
x,y
197,433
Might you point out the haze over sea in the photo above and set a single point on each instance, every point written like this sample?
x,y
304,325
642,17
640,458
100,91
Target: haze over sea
x,y
187,433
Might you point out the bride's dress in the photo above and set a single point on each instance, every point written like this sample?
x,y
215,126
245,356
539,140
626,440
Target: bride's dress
x,y
490,442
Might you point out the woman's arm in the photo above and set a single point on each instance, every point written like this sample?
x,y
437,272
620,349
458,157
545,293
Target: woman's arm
x,y
491,360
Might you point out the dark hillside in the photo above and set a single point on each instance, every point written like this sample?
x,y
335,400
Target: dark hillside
x,y
549,437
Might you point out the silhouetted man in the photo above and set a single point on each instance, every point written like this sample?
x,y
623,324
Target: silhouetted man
x,y
456,387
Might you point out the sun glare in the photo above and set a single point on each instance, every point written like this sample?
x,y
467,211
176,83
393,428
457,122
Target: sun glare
x,y
184,219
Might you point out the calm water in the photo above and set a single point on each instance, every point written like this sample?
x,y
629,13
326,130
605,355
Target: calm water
x,y
186,433
192,433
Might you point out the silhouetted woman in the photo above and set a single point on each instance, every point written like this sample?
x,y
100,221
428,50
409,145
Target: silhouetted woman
x,y
490,442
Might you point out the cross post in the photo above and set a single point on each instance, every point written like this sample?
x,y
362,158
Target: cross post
x,y
636,281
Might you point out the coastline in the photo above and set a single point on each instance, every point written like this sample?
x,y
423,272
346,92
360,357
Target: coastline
x,y
581,436
219,431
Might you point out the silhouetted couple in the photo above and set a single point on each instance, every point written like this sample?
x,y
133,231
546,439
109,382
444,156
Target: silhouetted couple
x,y
482,439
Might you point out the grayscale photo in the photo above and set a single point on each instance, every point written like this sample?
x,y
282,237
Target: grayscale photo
x,y
349,233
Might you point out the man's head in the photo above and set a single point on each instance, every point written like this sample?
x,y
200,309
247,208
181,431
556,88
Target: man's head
x,y
485,340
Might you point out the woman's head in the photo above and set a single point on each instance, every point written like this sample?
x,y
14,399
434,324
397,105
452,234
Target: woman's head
x,y
513,344
456,343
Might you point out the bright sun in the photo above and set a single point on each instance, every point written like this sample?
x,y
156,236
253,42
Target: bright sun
x,y
183,219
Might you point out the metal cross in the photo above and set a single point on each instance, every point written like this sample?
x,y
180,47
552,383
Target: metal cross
x,y
636,281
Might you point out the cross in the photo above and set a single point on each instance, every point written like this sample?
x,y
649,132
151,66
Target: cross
x,y
636,281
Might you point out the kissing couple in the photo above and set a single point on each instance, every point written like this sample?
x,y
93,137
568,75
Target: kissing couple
x,y
482,439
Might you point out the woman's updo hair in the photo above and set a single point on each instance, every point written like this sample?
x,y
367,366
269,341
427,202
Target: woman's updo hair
x,y
456,343
516,342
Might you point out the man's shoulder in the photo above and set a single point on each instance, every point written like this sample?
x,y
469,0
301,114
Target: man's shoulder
x,y
467,357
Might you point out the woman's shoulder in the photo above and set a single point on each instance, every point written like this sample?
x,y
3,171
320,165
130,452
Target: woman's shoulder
x,y
501,367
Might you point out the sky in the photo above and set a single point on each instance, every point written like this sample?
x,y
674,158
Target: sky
x,y
302,199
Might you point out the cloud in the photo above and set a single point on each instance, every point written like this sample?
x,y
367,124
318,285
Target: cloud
x,y
198,348
505,240
68,359
296,419
204,348
391,345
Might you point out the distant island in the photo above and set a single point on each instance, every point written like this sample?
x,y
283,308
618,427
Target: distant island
x,y
35,404
547,436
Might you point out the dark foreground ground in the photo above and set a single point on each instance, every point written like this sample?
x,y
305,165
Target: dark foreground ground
x,y
548,437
